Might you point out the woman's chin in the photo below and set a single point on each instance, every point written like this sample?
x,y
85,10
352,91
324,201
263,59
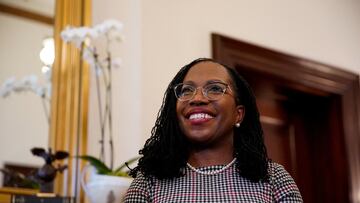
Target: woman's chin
x,y
200,139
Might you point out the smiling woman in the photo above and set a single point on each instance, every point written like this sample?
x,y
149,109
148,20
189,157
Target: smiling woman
x,y
205,148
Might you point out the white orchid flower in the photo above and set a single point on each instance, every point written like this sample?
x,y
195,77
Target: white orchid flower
x,y
67,34
92,33
116,36
109,25
29,82
88,56
4,92
7,87
40,91
77,35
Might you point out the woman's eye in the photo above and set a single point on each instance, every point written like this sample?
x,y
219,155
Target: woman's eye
x,y
187,90
215,88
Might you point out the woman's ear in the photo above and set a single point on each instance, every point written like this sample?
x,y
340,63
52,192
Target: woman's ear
x,y
240,113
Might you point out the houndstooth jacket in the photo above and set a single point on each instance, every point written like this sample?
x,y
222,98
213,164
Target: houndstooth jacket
x,y
227,186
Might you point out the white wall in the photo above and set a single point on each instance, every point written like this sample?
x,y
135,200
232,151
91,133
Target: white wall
x,y
164,35
23,124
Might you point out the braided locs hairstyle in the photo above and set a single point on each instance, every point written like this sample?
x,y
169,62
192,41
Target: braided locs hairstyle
x,y
249,147
166,152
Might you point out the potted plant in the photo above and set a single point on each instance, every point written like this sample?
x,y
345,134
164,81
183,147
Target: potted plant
x,y
105,183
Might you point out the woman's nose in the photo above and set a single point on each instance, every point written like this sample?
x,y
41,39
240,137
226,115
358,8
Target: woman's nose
x,y
199,97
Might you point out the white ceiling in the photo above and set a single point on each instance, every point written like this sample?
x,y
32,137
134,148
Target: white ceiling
x,y
45,7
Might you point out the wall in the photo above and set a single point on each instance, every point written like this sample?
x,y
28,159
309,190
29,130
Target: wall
x,y
23,124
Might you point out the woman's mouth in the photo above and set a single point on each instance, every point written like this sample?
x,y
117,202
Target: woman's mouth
x,y
199,118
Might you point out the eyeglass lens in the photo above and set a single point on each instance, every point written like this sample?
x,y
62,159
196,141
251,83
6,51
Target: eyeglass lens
x,y
211,91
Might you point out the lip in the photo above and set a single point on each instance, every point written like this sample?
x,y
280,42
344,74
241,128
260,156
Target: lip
x,y
198,110
199,121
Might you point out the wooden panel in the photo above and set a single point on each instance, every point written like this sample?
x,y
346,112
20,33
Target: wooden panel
x,y
19,191
278,144
26,14
5,198
69,102
325,123
6,192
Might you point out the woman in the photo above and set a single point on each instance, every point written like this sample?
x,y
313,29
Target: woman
x,y
207,144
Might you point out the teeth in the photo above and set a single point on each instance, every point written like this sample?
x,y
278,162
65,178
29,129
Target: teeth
x,y
199,116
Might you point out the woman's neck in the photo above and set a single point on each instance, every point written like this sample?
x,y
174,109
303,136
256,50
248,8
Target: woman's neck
x,y
210,157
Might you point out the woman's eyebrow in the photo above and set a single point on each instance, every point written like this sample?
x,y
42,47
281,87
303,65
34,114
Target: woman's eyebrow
x,y
190,82
214,81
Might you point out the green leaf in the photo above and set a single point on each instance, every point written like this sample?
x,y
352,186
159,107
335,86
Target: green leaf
x,y
119,170
121,173
99,165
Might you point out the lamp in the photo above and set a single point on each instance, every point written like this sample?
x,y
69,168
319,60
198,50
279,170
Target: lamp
x,y
47,54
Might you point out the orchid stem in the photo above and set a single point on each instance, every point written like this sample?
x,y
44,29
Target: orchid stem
x,y
109,92
110,116
45,109
102,124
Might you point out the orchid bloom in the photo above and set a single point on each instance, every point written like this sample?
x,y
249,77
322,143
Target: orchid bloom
x,y
111,29
27,84
86,38
84,34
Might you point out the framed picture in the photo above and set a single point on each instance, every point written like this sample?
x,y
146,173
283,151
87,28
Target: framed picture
x,y
18,176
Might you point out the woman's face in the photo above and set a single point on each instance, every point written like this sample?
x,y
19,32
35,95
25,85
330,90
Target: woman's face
x,y
207,122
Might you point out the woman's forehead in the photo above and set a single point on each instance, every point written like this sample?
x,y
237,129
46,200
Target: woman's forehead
x,y
205,71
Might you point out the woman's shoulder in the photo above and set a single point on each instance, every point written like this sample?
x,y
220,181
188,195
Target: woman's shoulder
x,y
141,182
278,174
139,190
284,186
277,170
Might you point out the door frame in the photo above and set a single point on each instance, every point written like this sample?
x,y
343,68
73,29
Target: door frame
x,y
306,75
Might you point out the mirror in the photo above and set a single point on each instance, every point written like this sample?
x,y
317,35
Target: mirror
x,y
24,24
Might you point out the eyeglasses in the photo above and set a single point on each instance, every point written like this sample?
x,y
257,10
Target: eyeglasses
x,y
212,91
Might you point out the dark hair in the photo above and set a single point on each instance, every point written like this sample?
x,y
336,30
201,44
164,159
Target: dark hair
x,y
166,152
